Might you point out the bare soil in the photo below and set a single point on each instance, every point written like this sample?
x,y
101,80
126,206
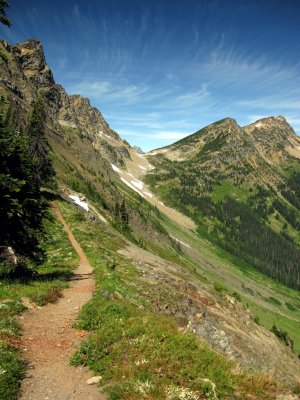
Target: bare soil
x,y
49,339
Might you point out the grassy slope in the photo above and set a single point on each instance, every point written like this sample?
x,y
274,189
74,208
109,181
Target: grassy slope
x,y
256,289
236,275
138,353
230,271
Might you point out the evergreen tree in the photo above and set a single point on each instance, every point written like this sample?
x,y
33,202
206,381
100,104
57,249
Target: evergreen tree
x,y
24,167
38,147
3,18
124,216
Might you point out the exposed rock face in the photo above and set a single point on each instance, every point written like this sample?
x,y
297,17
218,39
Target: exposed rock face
x,y
32,60
76,112
138,149
273,136
83,144
220,319
25,73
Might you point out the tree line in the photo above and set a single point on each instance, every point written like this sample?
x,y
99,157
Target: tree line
x,y
25,166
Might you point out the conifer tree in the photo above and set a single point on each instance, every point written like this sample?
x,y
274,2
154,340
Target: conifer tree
x,y
3,18
24,167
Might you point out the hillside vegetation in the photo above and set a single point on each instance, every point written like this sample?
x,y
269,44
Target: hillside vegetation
x,y
171,315
239,199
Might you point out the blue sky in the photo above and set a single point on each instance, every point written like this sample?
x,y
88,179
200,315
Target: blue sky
x,y
160,70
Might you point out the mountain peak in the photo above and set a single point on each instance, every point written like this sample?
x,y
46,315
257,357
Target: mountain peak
x,y
273,134
31,44
227,120
269,121
271,124
31,56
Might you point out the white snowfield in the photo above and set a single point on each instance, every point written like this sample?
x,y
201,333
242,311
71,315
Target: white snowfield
x,y
115,168
138,184
258,124
101,133
133,183
131,186
79,202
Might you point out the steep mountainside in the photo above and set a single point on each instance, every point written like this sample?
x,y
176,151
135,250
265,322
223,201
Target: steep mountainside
x,y
274,137
223,177
242,188
24,73
84,147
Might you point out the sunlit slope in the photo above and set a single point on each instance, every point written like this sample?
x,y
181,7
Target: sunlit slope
x,y
242,193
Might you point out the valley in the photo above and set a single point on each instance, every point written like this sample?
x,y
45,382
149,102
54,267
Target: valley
x,y
191,247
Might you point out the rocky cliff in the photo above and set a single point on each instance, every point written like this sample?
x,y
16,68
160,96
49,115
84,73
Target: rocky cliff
x,y
25,73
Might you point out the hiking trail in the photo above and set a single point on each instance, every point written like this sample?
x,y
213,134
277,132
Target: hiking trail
x,y
49,340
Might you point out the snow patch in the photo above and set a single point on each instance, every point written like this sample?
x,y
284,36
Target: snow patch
x,y
179,241
116,169
138,184
132,187
79,202
101,133
140,166
258,124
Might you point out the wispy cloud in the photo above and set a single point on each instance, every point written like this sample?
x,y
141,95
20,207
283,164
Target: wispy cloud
x,y
191,98
106,90
234,68
271,102
158,70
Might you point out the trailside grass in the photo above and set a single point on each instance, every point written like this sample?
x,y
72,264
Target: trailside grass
x,y
44,287
138,353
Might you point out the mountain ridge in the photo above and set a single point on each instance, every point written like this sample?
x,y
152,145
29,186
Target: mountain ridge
x,y
259,163
179,266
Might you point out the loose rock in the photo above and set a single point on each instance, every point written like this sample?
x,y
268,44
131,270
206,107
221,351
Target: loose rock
x,y
94,380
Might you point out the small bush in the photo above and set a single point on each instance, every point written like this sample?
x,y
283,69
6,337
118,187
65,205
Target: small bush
x,y
282,336
291,307
274,301
237,296
218,287
51,295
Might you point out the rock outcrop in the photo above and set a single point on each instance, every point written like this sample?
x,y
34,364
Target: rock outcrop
x,y
25,73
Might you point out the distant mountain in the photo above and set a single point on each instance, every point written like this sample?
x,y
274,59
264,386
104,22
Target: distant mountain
x,y
138,149
242,188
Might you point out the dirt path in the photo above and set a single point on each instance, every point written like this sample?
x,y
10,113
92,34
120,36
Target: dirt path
x,y
49,340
